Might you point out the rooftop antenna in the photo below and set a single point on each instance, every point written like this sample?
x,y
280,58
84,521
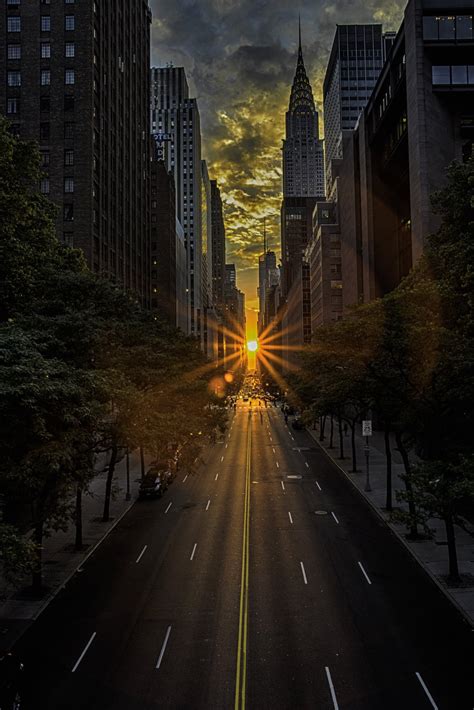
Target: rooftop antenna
x,y
264,235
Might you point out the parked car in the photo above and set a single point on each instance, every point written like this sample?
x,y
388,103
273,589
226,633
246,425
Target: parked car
x,y
297,423
11,682
153,485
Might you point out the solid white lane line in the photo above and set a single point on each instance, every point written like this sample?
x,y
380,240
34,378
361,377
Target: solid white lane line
x,y
334,516
331,688
192,553
290,517
364,573
428,694
163,648
304,573
278,465
168,507
306,464
217,476
76,666
208,504
318,486
282,485
222,458
184,479
140,555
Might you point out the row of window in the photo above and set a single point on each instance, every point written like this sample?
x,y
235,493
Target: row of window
x,y
13,104
14,23
43,2
453,75
448,27
14,50
14,77
68,186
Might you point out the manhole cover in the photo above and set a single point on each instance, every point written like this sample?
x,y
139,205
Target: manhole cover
x,y
320,512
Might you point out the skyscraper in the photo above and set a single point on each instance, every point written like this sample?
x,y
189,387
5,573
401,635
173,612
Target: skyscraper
x,y
218,244
74,77
303,163
268,277
303,173
175,117
356,58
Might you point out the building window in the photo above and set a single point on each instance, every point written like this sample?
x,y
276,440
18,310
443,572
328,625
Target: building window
x,y
69,185
459,75
69,76
12,106
448,27
44,158
45,50
14,51
44,103
70,49
464,27
68,158
68,212
44,186
45,23
69,103
13,2
14,78
44,132
45,77
14,24
69,130
69,22
68,239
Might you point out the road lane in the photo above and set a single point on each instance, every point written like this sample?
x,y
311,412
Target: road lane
x,y
378,646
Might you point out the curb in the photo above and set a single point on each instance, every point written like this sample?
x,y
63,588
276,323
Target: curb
x,y
415,556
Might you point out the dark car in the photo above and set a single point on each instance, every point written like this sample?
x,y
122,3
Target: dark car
x,y
11,682
153,485
297,423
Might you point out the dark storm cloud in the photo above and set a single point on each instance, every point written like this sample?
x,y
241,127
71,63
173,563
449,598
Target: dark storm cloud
x,y
240,59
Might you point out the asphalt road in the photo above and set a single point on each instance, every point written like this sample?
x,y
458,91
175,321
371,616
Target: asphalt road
x,y
263,581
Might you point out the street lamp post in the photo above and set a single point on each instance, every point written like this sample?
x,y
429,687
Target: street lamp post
x,y
127,459
367,475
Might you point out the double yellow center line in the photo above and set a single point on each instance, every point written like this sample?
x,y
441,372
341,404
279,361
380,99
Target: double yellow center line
x,y
241,673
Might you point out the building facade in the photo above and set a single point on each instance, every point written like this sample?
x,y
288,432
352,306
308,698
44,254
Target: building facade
x,y
168,254
175,118
268,279
419,118
74,77
356,58
323,256
218,244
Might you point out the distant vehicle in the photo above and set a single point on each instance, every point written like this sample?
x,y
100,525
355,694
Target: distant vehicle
x,y
154,484
11,682
297,423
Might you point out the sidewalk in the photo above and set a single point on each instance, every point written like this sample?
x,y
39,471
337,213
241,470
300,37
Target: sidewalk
x,y
17,611
431,554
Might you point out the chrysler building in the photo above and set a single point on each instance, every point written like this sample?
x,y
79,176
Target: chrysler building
x,y
303,160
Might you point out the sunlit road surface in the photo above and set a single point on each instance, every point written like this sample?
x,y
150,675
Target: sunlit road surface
x,y
264,581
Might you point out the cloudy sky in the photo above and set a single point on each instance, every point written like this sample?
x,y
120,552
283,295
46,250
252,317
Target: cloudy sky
x,y
240,58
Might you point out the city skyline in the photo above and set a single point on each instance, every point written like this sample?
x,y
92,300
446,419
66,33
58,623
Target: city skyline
x,y
232,55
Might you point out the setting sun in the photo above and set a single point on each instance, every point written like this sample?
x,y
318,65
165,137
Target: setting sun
x,y
252,346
